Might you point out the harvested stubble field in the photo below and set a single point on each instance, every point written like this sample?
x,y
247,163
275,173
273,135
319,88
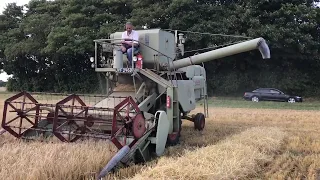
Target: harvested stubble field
x,y
237,143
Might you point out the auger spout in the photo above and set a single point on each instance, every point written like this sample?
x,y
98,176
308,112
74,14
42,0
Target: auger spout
x,y
258,43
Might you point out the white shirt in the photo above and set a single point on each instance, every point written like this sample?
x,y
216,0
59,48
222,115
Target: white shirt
x,y
134,35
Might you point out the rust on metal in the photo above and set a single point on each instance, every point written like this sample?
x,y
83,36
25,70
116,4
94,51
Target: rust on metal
x,y
138,126
74,117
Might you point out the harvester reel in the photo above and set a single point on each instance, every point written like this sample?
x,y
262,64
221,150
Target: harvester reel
x,y
29,118
71,119
66,123
133,121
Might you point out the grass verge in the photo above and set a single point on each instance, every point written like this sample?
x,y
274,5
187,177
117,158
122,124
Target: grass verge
x,y
228,102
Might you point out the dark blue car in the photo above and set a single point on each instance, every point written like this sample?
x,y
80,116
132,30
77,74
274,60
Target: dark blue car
x,y
270,94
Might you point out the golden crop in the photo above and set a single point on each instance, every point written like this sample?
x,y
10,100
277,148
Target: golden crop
x,y
236,144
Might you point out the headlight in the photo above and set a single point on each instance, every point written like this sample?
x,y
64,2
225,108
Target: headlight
x,y
134,58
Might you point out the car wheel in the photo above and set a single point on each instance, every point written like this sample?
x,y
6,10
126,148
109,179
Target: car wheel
x,y
291,100
255,99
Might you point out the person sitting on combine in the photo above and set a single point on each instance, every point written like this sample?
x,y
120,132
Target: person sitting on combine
x,y
127,37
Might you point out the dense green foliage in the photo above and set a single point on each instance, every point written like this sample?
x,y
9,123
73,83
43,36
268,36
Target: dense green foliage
x,y
47,47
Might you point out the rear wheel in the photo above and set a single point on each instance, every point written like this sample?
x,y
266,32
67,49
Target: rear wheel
x,y
199,121
255,99
291,100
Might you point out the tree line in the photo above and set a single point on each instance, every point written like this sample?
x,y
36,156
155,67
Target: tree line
x,y
46,45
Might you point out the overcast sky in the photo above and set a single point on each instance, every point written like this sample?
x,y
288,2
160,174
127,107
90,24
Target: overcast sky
x,y
3,4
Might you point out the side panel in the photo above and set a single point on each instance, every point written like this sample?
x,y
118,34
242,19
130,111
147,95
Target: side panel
x,y
166,47
199,85
186,94
189,71
197,70
193,70
151,41
204,75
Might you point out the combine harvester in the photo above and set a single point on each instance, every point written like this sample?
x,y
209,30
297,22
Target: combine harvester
x,y
141,122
